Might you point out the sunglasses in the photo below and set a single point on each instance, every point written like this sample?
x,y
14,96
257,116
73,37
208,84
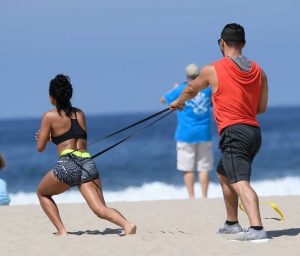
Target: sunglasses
x,y
219,41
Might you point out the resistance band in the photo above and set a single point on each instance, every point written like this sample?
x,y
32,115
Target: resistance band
x,y
273,205
133,134
126,128
132,125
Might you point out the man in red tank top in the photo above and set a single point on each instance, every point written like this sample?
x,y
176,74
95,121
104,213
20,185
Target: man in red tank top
x,y
240,92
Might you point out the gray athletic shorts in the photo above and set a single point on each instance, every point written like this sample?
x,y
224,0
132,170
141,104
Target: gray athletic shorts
x,y
239,144
74,170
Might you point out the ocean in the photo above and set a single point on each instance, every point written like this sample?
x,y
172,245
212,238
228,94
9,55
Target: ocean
x,y
144,167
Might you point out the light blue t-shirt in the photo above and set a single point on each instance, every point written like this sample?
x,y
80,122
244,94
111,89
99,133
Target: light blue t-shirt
x,y
4,197
194,123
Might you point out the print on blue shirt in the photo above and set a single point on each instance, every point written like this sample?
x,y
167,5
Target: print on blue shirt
x,y
194,121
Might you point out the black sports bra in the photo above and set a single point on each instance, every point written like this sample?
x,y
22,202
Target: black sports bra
x,y
75,132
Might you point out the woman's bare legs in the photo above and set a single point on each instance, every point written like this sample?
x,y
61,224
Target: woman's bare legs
x,y
48,187
92,193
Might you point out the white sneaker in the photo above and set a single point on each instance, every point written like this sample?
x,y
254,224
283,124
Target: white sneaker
x,y
230,229
252,234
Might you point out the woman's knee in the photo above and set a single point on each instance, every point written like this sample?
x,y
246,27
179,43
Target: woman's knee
x,y
41,192
100,211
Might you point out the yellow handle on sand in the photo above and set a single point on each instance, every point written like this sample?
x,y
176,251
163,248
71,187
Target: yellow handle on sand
x,y
273,205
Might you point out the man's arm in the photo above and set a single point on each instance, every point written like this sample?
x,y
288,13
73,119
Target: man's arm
x,y
193,88
262,107
162,99
171,95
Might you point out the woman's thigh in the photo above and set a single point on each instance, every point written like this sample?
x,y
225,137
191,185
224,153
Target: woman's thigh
x,y
92,193
50,185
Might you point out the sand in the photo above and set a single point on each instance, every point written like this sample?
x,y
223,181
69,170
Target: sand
x,y
177,227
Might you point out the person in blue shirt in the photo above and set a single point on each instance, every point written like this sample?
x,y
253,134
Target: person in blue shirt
x,y
193,134
4,197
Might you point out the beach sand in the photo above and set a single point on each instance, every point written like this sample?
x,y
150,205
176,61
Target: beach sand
x,y
177,227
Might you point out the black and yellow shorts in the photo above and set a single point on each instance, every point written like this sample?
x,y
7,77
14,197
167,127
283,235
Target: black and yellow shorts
x,y
75,168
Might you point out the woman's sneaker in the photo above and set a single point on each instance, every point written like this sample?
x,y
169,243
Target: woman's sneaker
x,y
230,229
252,234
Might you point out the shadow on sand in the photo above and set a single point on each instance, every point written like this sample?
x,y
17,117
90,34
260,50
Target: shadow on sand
x,y
107,231
284,232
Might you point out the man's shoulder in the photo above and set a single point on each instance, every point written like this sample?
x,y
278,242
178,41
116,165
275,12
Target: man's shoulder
x,y
208,69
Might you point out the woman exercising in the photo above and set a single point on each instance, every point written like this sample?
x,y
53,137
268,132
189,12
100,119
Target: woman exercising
x,y
65,126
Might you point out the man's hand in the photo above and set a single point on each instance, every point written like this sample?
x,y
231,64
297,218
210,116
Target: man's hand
x,y
176,105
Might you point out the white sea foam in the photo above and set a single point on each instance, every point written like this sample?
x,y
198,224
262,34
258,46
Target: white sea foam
x,y
162,191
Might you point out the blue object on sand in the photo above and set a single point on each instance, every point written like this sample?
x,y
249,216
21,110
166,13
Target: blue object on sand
x,y
4,197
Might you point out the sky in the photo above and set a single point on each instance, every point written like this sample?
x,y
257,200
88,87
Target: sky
x,y
122,56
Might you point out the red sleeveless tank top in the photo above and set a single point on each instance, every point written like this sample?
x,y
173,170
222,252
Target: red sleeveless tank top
x,y
237,99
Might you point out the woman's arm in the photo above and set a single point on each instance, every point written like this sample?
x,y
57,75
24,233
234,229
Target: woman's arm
x,y
43,134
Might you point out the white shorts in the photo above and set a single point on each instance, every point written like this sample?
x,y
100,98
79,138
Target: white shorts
x,y
197,156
